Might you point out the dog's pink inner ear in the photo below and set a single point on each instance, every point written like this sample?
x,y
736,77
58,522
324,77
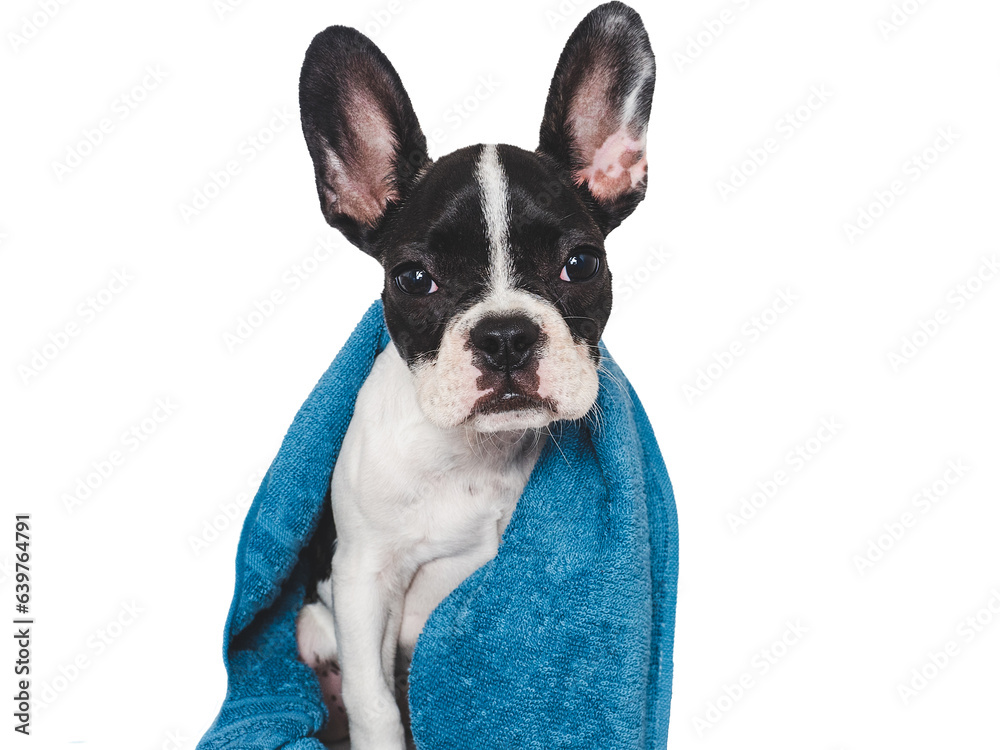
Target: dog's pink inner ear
x,y
617,166
363,170
611,154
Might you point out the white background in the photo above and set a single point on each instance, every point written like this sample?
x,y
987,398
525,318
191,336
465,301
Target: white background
x,y
157,676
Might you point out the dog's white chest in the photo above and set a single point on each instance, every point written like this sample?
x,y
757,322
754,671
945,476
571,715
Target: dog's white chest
x,y
423,506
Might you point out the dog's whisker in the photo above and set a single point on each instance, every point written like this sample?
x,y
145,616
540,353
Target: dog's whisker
x,y
558,447
613,378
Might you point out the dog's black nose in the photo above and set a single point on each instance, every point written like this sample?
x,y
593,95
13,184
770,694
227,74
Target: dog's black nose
x,y
505,343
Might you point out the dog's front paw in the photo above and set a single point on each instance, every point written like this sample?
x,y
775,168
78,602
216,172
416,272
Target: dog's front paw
x,y
377,726
380,740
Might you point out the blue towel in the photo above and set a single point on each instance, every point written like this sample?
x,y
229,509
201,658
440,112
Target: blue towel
x,y
563,640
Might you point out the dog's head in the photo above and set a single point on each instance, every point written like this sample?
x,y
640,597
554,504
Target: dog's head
x,y
497,287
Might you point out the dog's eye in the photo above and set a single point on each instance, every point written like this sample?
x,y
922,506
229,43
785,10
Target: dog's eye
x,y
580,266
416,281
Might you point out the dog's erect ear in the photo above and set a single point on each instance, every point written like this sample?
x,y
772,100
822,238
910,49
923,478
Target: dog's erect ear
x,y
598,108
363,136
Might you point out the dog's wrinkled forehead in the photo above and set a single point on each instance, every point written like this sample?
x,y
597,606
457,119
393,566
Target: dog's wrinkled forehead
x,y
485,220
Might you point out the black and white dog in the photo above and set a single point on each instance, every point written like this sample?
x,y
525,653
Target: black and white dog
x,y
496,292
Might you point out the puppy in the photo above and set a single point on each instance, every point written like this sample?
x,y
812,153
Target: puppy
x,y
496,292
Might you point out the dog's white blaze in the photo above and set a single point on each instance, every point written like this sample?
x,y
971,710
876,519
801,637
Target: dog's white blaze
x,y
447,384
493,190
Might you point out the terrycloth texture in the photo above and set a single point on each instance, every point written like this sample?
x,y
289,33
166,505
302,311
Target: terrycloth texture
x,y
563,640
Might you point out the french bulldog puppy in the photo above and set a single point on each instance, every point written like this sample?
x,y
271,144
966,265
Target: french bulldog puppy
x,y
496,293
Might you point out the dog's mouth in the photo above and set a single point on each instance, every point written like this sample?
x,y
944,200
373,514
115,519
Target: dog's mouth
x,y
499,402
509,409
